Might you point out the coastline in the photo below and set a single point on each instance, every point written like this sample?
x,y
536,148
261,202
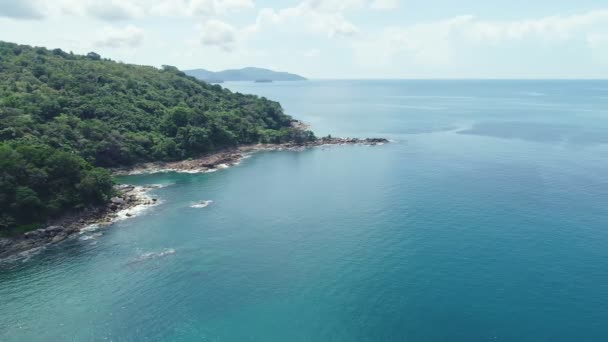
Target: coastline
x,y
130,198
128,201
232,156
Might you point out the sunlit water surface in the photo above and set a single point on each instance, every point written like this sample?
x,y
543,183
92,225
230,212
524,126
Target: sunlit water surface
x,y
485,220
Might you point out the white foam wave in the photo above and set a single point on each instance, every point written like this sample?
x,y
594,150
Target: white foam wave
x,y
138,209
153,255
201,204
133,212
160,185
90,228
191,172
90,236
176,170
24,256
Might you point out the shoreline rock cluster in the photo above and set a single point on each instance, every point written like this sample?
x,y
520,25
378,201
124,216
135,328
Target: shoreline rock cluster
x,y
233,156
128,197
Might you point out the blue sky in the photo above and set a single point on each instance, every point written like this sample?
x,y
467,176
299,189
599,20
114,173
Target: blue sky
x,y
329,38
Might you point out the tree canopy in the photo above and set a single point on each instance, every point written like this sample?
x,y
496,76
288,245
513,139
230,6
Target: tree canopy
x,y
63,117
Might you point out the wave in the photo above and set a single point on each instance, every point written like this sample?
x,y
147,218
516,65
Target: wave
x,y
146,200
23,257
90,228
160,185
134,211
201,204
90,236
153,255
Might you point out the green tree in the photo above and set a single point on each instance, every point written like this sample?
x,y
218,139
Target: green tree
x,y
62,116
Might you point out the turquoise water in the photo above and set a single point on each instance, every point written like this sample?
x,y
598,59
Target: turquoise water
x,y
484,221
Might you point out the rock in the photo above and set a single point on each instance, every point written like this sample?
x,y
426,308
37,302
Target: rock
x,y
31,235
154,200
54,229
117,200
129,214
59,237
125,187
376,140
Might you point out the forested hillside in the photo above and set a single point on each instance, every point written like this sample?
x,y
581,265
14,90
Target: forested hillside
x,y
63,116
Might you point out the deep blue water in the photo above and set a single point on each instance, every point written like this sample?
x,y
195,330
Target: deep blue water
x,y
486,220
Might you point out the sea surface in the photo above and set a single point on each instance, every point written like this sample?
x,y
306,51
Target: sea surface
x,y
485,220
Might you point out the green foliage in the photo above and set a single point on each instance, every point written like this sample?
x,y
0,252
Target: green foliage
x,y
38,181
62,115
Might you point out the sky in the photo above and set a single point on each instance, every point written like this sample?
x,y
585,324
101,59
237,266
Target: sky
x,y
332,39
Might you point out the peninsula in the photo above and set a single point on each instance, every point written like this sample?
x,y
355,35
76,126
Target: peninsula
x,y
68,121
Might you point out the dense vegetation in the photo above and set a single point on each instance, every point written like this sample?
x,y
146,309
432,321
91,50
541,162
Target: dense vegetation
x,y
64,117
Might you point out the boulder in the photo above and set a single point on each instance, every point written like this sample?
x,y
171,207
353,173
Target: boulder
x,y
54,229
125,187
117,200
59,237
31,235
376,140
36,234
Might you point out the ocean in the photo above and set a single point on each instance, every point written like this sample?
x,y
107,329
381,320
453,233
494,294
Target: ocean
x,y
484,220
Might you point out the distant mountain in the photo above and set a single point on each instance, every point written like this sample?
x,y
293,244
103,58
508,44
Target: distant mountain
x,y
245,74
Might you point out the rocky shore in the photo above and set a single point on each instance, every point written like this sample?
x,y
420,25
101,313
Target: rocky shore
x,y
229,157
130,197
124,205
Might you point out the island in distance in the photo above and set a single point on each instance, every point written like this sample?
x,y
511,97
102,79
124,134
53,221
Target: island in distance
x,y
244,74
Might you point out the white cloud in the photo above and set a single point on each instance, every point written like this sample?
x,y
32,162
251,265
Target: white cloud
x,y
351,5
333,24
198,7
597,40
319,16
232,5
130,36
312,53
218,33
441,42
20,9
384,4
554,28
114,10
335,5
